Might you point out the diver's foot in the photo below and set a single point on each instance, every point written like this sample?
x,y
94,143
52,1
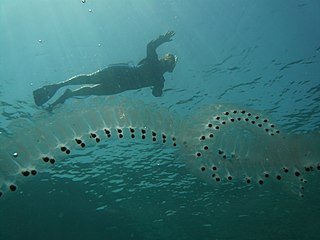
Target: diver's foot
x,y
60,100
43,94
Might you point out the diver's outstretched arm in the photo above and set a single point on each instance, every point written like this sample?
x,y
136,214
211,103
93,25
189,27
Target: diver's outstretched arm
x,y
152,46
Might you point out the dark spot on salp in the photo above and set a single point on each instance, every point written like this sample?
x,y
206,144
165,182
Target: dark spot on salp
x,y
143,136
307,169
174,139
305,181
213,175
164,141
205,147
229,178
119,130
143,131
132,135
302,188
257,117
235,111
154,139
246,119
33,172
272,126
68,151
214,168
217,179
220,152
164,136
120,135
217,127
211,135
224,156
278,177
226,113
97,140
1,194
253,122
277,131
239,118
13,187
109,135
267,130
52,160
25,173
266,175
223,122
107,131
82,145
248,180
203,169
63,148
198,154
286,170
249,114
259,125
210,125
232,119
318,166
46,159
154,133
174,144
243,111
260,182
297,174
217,118
132,130
78,141
202,138
265,120
93,135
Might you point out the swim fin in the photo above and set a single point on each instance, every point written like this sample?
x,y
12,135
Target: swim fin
x,y
43,94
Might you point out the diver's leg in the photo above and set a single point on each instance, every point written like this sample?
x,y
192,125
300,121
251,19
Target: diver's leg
x,y
43,94
83,91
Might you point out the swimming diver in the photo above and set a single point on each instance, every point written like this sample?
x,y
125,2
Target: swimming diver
x,y
116,78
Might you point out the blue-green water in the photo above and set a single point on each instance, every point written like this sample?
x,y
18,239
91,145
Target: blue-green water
x,y
261,54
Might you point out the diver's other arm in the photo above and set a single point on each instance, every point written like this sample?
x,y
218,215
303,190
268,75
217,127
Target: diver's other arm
x,y
157,89
152,46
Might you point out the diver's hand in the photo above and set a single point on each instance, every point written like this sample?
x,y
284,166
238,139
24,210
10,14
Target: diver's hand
x,y
167,37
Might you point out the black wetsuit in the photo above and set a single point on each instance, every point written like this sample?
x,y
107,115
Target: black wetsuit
x,y
121,77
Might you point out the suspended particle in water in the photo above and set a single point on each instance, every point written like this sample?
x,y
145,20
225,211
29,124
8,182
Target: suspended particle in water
x,y
40,41
15,154
83,1
90,10
99,45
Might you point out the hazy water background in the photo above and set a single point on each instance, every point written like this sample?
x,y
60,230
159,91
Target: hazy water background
x,y
262,54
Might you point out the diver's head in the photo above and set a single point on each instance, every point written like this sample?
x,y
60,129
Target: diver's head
x,y
169,62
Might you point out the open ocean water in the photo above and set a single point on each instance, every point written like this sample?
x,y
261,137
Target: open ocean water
x,y
260,54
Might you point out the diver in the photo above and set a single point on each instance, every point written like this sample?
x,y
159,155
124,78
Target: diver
x,y
116,78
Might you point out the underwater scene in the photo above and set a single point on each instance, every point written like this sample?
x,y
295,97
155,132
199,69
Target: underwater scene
x,y
159,119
